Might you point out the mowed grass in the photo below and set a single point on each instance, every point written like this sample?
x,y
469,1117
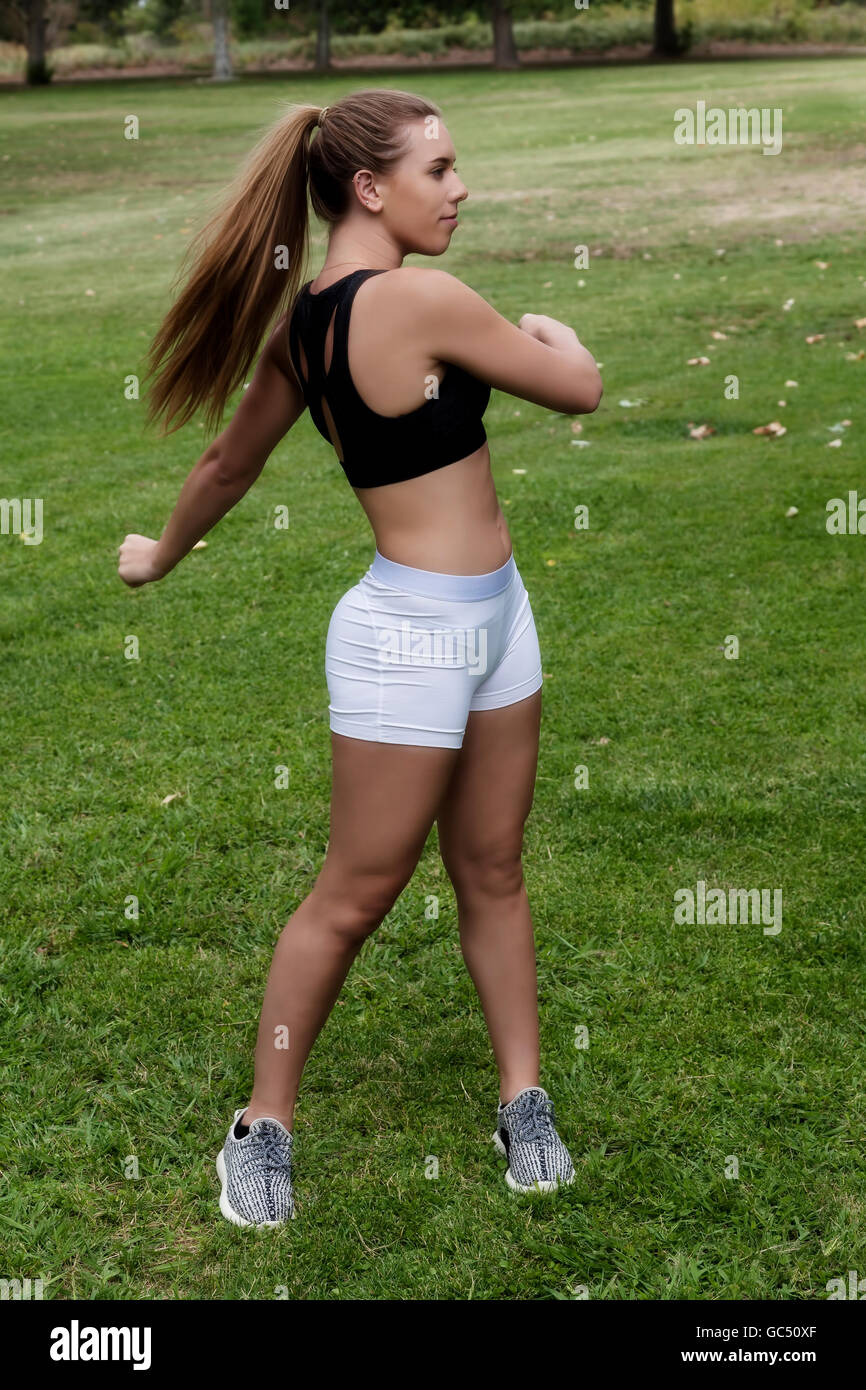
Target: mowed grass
x,y
129,1040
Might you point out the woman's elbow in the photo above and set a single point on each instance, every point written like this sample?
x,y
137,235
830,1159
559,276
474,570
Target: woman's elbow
x,y
589,396
597,394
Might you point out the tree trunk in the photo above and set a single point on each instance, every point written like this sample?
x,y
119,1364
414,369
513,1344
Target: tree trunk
x,y
222,61
504,47
323,39
665,43
37,68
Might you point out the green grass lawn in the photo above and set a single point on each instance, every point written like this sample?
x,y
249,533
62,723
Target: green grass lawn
x,y
132,1038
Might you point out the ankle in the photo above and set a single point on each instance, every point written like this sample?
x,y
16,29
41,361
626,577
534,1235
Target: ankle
x,y
257,1112
507,1093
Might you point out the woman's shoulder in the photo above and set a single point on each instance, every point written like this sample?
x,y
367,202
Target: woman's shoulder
x,y
418,279
416,289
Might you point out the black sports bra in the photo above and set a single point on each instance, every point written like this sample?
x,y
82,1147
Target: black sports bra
x,y
380,449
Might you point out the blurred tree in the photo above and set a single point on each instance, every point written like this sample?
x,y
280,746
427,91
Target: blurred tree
x,y
222,58
665,41
106,15
323,38
504,47
248,18
165,13
29,21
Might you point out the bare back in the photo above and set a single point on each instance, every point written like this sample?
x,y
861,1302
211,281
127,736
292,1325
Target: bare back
x,y
449,519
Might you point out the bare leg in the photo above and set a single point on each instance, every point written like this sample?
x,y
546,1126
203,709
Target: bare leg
x,y
481,822
383,803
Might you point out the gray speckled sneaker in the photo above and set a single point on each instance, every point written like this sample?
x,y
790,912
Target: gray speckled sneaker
x,y
538,1161
256,1174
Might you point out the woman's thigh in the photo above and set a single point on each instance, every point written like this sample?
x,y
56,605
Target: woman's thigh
x,y
489,797
383,803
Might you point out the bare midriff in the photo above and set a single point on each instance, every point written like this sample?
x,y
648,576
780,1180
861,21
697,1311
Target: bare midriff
x,y
449,520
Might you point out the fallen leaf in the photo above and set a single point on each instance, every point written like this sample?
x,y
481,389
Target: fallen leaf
x,y
822,265
774,428
834,444
576,427
781,402
855,356
792,383
814,337
699,361
603,739
860,323
722,337
518,470
701,431
639,401
792,511
837,429
581,444
171,796
789,303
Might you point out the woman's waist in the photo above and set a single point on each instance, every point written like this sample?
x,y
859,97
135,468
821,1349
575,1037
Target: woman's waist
x,y
459,530
438,583
448,549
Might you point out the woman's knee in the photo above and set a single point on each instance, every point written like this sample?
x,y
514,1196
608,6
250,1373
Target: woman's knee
x,y
492,871
355,906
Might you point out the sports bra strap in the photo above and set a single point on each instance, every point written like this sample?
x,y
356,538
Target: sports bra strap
x,y
339,370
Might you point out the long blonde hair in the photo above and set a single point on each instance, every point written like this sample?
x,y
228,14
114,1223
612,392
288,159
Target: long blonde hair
x,y
250,258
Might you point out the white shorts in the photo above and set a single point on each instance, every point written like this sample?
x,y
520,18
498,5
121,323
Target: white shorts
x,y
409,652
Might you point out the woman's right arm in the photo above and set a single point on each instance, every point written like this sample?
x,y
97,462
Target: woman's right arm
x,y
227,469
542,360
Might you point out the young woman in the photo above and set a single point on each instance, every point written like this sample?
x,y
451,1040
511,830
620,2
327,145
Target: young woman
x,y
432,658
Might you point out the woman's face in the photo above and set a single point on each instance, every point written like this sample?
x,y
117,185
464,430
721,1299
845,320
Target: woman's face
x,y
419,199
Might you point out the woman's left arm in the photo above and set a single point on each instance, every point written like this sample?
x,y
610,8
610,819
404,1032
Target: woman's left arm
x,y
227,469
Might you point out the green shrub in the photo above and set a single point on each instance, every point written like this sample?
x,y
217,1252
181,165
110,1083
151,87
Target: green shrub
x,y
85,32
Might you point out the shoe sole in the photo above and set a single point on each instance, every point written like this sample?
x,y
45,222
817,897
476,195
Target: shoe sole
x,y
228,1211
540,1185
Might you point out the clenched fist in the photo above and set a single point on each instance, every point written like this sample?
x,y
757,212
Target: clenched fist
x,y
136,563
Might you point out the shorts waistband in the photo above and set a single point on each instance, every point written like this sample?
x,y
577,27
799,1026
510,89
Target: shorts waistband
x,y
434,584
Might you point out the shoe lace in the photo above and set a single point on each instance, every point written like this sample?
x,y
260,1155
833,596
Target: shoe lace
x,y
270,1154
534,1119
